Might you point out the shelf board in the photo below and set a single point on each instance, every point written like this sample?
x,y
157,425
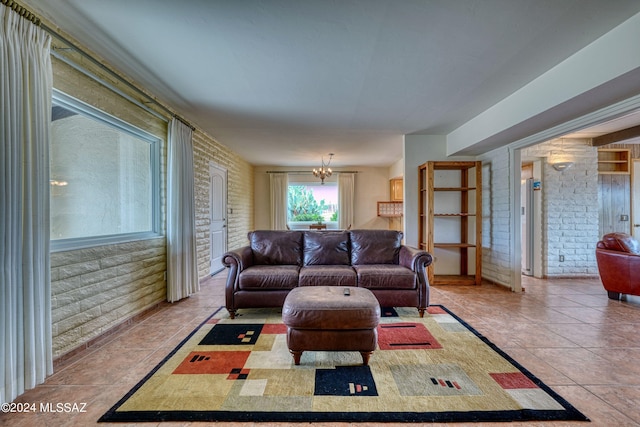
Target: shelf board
x,y
454,245
455,214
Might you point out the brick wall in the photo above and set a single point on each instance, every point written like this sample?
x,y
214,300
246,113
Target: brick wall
x,y
496,217
240,200
569,207
569,210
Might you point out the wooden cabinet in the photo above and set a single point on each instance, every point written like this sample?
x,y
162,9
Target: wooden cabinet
x,y
450,223
395,190
614,161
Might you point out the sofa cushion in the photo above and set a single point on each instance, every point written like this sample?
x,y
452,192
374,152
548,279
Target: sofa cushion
x,y
385,276
276,247
269,277
326,248
327,275
622,242
375,246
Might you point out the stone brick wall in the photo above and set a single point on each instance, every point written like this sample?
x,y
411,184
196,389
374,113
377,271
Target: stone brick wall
x,y
240,200
569,211
570,207
97,288
496,217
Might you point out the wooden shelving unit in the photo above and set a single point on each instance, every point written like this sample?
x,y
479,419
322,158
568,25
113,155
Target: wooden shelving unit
x,y
450,223
614,161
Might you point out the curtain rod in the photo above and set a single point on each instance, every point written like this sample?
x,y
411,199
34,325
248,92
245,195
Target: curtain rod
x,y
22,11
183,122
27,14
307,172
113,74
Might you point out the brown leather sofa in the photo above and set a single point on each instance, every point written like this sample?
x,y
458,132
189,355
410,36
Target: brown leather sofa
x,y
618,257
262,273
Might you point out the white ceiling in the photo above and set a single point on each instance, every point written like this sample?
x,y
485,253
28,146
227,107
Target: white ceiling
x,y
284,82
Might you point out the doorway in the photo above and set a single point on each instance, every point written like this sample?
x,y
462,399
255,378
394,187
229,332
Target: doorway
x,y
635,198
218,217
531,218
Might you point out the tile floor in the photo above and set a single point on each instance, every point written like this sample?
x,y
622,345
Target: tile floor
x,y
566,332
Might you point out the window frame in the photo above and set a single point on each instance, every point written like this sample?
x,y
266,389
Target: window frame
x,y
70,103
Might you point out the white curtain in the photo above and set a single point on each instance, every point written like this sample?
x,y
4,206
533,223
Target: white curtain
x,y
182,275
25,278
346,193
279,193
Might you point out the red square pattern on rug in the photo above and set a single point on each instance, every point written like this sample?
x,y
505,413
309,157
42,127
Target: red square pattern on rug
x,y
274,328
436,310
405,335
212,362
513,380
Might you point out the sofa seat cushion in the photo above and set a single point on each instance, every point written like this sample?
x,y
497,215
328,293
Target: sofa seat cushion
x,y
327,275
385,276
269,277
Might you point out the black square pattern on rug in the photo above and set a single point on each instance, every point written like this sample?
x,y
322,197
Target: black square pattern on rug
x,y
345,381
240,334
388,312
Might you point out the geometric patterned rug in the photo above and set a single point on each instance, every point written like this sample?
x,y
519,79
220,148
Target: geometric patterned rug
x,y
431,369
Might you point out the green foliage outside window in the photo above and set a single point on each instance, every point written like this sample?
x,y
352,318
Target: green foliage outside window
x,y
303,206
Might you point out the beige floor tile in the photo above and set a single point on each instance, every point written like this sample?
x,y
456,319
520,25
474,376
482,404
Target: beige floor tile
x,y
566,332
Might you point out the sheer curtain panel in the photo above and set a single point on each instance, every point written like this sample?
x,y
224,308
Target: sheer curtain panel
x,y
279,194
182,275
25,279
346,193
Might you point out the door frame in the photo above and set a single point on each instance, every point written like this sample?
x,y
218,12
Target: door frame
x,y
635,198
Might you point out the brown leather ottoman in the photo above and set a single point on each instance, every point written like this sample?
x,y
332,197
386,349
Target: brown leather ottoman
x,y
323,318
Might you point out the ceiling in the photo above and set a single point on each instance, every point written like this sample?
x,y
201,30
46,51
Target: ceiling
x,y
284,82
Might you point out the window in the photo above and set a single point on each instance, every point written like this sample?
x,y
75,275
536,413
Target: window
x,y
310,203
104,178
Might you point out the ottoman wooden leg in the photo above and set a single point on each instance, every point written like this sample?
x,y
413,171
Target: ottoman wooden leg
x,y
296,356
365,357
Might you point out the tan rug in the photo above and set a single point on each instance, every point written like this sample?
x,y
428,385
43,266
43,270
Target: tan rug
x,y
431,369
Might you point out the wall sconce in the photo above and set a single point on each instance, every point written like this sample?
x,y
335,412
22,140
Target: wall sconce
x,y
562,166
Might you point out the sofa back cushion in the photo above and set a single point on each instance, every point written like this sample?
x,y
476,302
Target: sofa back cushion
x,y
375,246
622,242
271,247
326,248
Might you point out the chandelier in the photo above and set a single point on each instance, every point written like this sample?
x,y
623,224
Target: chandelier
x,y
324,171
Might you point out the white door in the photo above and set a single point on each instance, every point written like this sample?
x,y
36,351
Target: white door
x,y
218,208
635,199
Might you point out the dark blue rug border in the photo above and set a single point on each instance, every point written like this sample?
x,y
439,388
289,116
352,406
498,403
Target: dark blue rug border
x,y
570,413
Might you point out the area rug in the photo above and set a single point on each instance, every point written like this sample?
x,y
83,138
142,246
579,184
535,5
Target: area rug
x,y
431,369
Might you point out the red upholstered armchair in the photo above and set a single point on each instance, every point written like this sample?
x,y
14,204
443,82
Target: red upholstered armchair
x,y
618,257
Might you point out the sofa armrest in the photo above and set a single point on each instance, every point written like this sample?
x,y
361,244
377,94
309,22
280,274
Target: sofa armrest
x,y
237,260
618,271
242,258
414,259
